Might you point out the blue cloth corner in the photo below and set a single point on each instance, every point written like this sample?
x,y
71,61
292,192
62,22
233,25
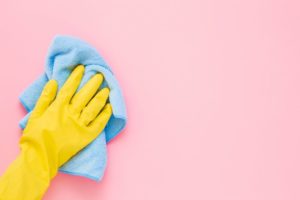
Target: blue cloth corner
x,y
64,55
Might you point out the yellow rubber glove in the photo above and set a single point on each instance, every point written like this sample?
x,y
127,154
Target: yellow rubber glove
x,y
58,128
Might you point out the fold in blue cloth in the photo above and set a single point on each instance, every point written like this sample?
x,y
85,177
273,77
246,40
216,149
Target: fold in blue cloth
x,y
64,55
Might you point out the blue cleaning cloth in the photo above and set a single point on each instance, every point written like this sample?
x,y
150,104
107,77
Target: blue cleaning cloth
x,y
64,55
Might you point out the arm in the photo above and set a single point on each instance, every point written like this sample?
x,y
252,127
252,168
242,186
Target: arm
x,y
58,128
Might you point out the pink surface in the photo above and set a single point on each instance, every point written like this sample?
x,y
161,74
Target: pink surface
x,y
212,89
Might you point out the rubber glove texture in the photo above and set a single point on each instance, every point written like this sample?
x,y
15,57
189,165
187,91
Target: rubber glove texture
x,y
60,125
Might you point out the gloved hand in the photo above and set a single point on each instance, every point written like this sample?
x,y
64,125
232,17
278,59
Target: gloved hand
x,y
58,128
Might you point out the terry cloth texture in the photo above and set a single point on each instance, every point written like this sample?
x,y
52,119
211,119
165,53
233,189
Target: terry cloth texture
x,y
64,55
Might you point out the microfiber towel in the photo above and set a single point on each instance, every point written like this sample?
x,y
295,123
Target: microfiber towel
x,y
65,53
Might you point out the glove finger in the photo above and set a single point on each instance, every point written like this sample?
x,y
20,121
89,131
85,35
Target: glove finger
x,y
47,96
101,120
86,93
71,85
91,111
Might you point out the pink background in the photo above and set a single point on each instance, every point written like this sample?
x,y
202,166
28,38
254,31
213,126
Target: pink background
x,y
212,89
